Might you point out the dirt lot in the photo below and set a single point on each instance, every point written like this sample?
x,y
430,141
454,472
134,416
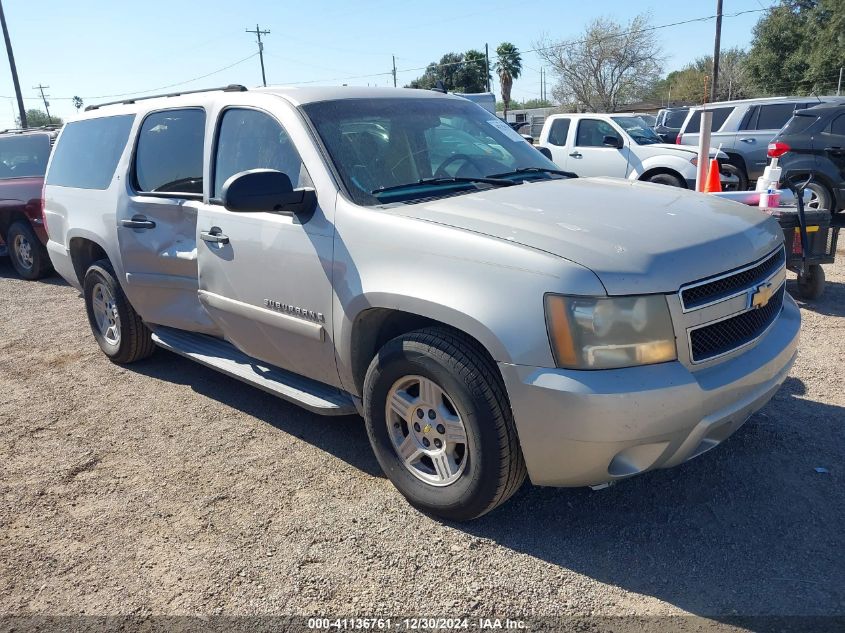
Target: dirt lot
x,y
166,488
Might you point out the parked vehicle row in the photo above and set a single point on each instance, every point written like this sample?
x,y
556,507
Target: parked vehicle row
x,y
743,129
407,255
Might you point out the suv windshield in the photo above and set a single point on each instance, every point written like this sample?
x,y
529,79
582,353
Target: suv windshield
x,y
24,155
393,150
637,129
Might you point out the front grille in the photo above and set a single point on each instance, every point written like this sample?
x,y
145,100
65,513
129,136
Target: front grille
x,y
723,336
730,284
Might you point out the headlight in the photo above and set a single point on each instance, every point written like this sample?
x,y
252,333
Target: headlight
x,y
609,332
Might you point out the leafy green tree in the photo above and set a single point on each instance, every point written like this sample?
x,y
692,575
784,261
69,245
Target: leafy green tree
x,y
472,76
798,47
459,72
38,118
509,67
77,103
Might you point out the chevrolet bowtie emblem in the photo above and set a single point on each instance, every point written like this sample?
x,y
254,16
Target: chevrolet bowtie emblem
x,y
762,296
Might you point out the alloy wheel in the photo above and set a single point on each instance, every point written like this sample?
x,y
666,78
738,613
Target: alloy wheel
x,y
105,313
426,430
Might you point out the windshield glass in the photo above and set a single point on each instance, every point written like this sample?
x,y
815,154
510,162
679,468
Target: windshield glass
x,y
637,129
24,155
384,148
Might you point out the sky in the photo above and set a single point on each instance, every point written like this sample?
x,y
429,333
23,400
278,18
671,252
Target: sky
x,y
97,49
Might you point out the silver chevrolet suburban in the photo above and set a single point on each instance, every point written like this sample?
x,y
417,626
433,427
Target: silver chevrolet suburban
x,y
406,255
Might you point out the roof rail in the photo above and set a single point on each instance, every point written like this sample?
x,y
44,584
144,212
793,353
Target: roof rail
x,y
40,128
229,88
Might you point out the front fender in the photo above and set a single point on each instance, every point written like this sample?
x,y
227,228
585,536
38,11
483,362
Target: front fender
x,y
677,164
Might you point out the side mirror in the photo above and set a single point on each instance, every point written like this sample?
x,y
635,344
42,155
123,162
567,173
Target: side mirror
x,y
267,190
613,141
545,151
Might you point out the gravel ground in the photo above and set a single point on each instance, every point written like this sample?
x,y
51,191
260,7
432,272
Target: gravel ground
x,y
166,488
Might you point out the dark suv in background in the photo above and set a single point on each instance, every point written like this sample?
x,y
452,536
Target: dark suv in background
x,y
23,163
669,122
812,145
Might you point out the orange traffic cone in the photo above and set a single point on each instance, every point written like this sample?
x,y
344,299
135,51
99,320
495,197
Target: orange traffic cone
x,y
713,182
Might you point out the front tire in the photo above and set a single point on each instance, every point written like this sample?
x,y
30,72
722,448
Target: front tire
x,y
666,179
811,285
29,257
440,424
118,329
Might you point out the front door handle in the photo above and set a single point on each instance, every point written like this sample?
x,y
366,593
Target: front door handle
x,y
214,235
138,222
576,154
747,140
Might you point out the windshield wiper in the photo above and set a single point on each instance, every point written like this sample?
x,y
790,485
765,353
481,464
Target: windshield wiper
x,y
489,180
535,170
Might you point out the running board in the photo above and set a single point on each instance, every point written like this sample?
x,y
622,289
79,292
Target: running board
x,y
225,358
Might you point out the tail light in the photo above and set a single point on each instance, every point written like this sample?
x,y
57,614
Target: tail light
x,y
778,149
678,140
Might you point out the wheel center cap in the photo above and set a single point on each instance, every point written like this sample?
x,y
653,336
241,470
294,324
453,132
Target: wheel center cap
x,y
427,428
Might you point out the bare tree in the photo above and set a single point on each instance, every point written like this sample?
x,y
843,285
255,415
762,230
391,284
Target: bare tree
x,y
613,64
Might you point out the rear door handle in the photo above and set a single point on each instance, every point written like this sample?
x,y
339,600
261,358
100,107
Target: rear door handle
x,y
747,140
835,150
138,222
576,154
214,235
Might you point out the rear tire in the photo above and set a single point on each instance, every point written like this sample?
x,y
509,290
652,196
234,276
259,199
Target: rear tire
x,y
468,395
820,196
29,257
667,179
118,329
811,285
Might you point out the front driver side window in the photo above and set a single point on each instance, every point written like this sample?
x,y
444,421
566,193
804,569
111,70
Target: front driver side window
x,y
250,139
591,133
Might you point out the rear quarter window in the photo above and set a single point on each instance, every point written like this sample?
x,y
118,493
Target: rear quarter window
x,y
87,152
559,131
798,124
720,115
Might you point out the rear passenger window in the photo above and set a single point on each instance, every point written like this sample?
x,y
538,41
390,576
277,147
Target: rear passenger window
x,y
773,116
168,158
250,139
87,153
837,126
559,132
720,115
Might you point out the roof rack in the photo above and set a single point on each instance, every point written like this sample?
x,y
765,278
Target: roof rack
x,y
40,128
229,88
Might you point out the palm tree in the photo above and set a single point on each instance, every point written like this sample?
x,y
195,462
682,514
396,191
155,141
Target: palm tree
x,y
509,66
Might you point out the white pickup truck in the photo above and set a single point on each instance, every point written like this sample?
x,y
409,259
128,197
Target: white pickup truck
x,y
623,146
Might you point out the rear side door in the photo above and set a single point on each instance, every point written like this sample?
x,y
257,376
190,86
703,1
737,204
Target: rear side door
x,y
156,228
265,278
758,128
557,141
591,157
831,149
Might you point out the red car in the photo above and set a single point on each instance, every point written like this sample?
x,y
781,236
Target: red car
x,y
23,236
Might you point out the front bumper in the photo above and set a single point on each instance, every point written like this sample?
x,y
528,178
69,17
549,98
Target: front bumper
x,y
583,428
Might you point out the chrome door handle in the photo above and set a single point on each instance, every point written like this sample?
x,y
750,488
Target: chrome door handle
x,y
747,140
576,154
214,235
138,222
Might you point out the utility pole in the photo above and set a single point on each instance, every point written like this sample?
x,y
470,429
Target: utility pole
x,y
838,86
542,85
44,99
394,71
14,68
716,46
487,65
258,33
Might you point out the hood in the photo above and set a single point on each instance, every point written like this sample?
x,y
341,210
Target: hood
x,y
637,237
